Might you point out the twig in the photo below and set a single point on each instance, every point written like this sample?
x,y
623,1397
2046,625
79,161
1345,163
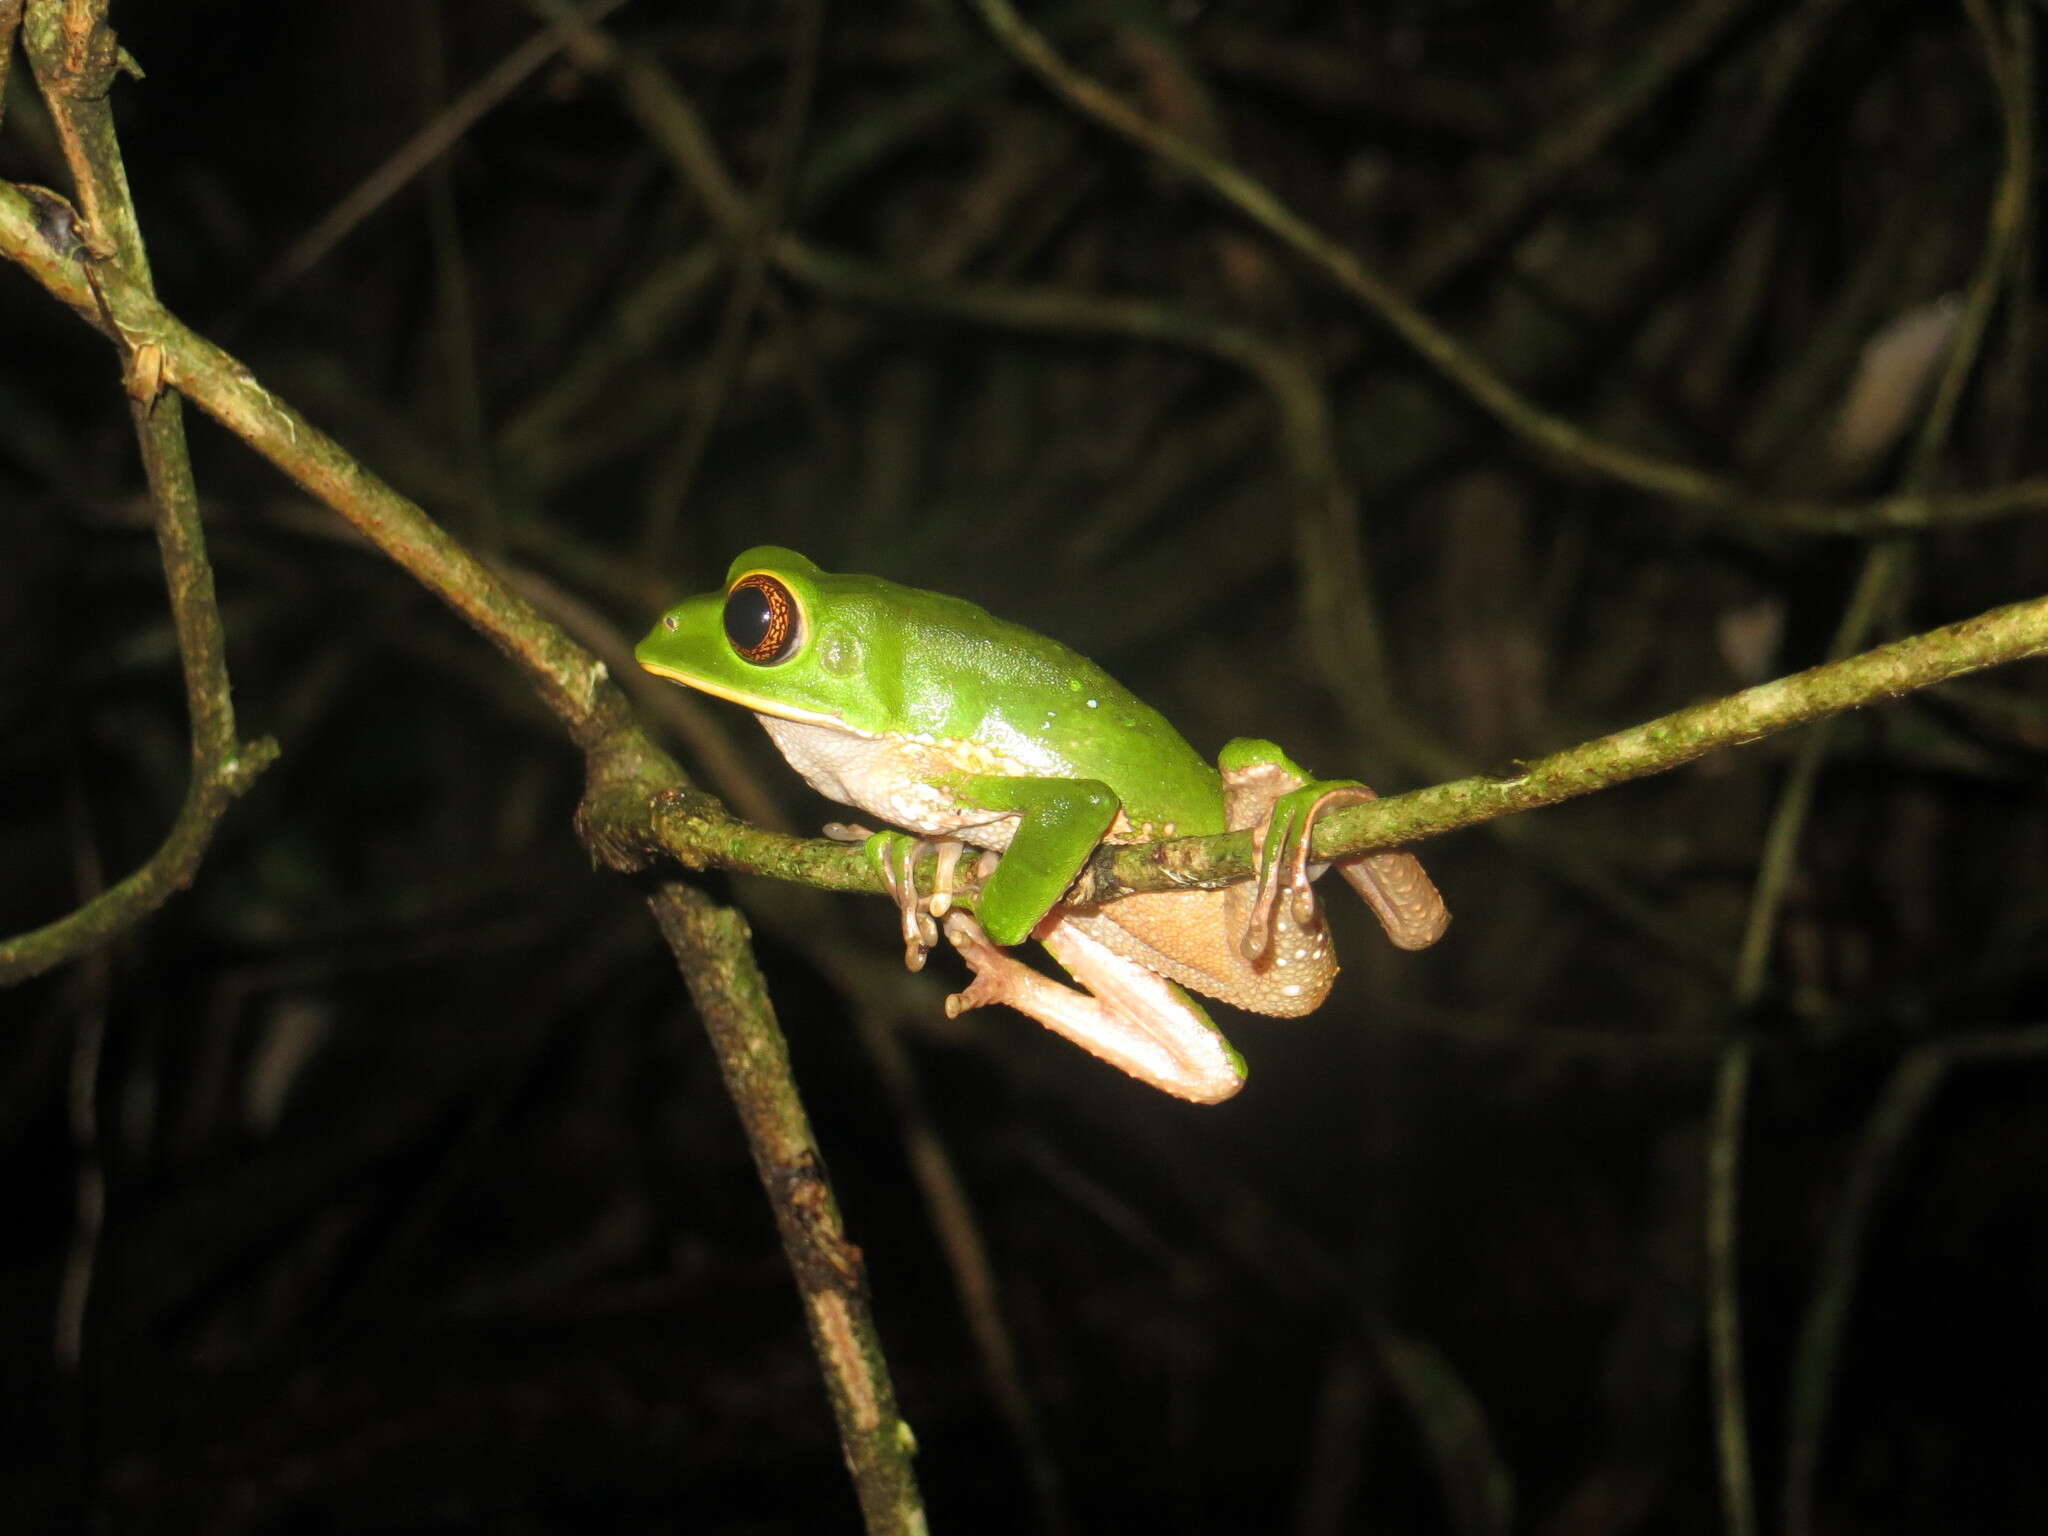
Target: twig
x,y
10,23
1650,70
711,946
1825,1324
457,320
697,831
1916,1079
1883,566
93,981
1541,429
575,688
569,681
626,774
1724,1290
1656,746
672,123
417,153
672,482
1882,569
958,1231
75,58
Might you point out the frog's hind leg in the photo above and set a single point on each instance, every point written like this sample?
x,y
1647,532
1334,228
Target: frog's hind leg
x,y
1112,1019
1393,882
1266,790
1401,895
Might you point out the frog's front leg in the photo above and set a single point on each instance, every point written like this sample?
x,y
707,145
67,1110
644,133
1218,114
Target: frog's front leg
x,y
1267,791
1048,828
1130,1017
894,856
1054,824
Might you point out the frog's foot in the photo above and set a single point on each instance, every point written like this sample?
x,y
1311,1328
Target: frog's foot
x,y
894,856
946,861
1401,895
1284,905
1135,1019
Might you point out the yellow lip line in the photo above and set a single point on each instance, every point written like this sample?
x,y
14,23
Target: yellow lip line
x,y
750,701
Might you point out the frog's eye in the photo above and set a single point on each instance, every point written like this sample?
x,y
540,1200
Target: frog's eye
x,y
762,620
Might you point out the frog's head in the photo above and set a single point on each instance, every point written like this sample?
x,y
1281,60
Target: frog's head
x,y
785,638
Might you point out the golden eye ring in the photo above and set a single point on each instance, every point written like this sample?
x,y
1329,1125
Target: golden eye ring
x,y
763,620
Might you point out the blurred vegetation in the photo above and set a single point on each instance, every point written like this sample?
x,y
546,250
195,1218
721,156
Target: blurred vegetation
x,y
423,1208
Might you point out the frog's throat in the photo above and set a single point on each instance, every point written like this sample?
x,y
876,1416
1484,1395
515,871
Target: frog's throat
x,y
752,701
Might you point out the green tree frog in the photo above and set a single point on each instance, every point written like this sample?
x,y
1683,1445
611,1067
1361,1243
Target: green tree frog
x,y
931,714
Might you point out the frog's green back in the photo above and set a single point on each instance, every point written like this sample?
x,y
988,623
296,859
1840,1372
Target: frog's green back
x,y
887,660
1009,688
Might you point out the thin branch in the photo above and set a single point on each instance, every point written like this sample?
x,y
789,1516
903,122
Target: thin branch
x,y
456,323
1914,1082
1462,368
697,831
1724,1290
628,776
412,157
2011,633
677,474
1884,566
10,23
1521,189
75,58
712,947
1912,1087
93,983
169,870
956,1228
672,123
570,682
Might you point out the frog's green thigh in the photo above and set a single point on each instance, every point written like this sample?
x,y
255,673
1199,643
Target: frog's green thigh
x,y
1129,1017
1059,823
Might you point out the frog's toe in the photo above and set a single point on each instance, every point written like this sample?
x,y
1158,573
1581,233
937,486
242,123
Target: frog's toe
x,y
920,934
1286,899
1308,912
994,971
944,866
978,993
894,857
1401,895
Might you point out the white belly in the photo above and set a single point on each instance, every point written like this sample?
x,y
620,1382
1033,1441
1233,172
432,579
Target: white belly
x,y
891,778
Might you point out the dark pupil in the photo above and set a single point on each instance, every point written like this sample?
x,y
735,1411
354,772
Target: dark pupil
x,y
748,618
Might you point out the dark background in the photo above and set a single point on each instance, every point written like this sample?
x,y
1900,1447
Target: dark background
x,y
424,1210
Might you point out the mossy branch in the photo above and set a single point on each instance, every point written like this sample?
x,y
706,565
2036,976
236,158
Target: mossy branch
x,y
628,777
696,830
1991,639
